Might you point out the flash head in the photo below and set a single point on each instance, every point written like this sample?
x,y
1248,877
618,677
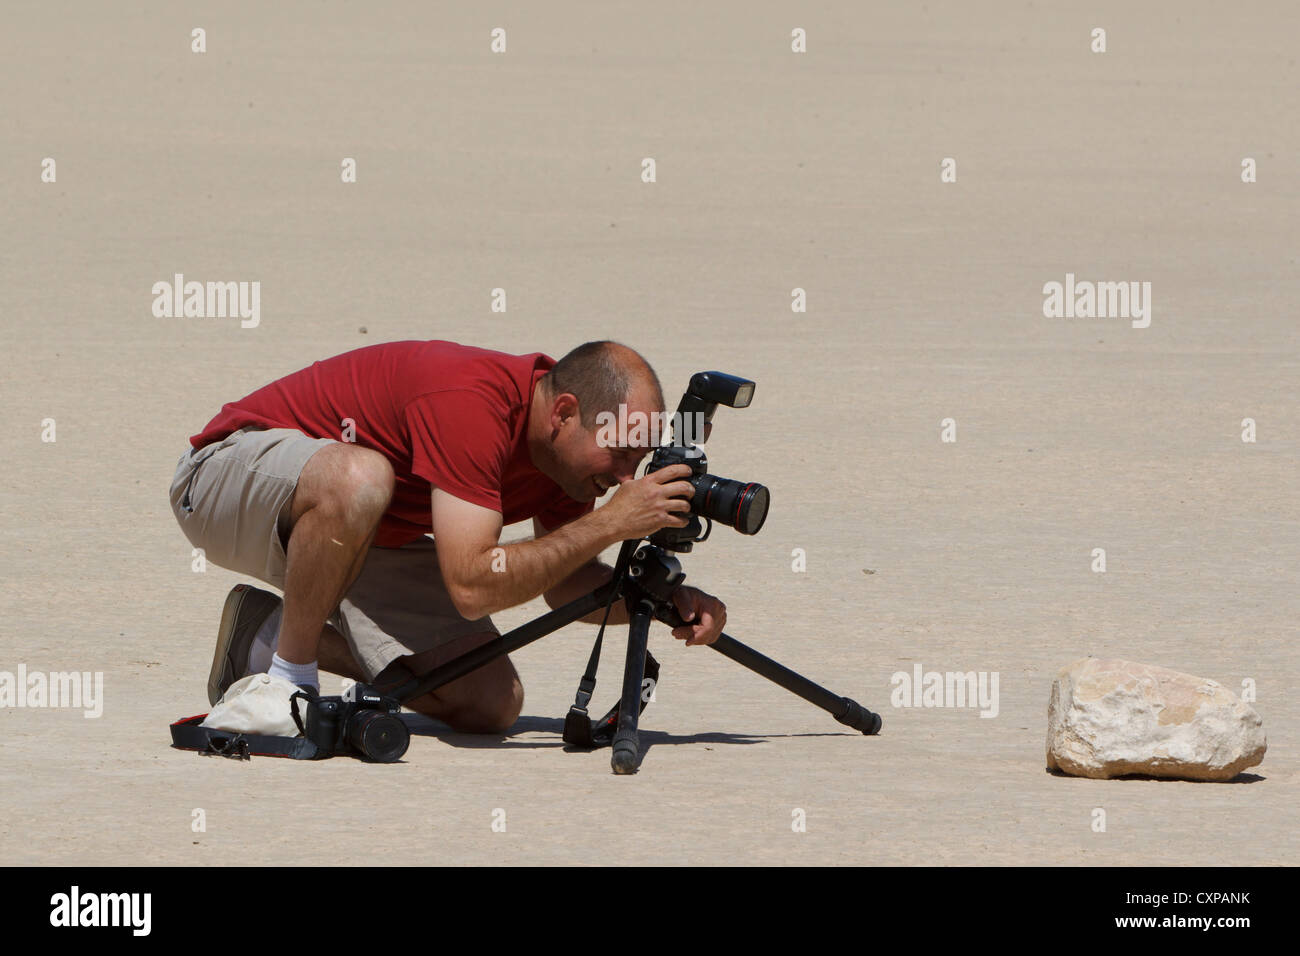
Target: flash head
x,y
719,388
706,391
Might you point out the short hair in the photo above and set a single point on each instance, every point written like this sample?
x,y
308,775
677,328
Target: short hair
x,y
600,375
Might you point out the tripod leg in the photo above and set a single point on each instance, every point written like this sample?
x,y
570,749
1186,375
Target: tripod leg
x,y
846,710
627,750
507,643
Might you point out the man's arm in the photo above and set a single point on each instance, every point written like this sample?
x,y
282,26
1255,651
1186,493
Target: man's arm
x,y
582,581
705,615
483,577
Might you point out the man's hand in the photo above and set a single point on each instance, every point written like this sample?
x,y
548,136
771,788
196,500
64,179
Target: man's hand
x,y
642,506
705,614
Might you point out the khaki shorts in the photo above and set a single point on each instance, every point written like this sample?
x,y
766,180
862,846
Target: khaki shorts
x,y
232,498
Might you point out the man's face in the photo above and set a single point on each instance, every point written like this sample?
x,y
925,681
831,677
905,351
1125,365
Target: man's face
x,y
591,461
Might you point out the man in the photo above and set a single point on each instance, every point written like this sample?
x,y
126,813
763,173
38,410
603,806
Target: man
x,y
326,482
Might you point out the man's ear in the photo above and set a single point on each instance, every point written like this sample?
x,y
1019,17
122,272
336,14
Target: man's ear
x,y
564,407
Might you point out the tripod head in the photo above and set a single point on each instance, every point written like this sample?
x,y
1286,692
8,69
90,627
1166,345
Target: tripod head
x,y
653,574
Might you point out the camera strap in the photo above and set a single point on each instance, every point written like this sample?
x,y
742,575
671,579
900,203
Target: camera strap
x,y
209,741
579,731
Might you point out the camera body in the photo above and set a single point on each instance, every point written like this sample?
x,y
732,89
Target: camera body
x,y
739,504
666,455
362,722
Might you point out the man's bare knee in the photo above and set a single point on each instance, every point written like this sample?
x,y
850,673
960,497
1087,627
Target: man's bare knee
x,y
510,707
368,481
347,484
491,713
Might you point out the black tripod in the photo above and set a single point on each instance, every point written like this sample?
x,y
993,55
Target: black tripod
x,y
645,576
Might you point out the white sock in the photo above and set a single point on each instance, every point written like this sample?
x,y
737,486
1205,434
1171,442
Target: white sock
x,y
295,673
265,643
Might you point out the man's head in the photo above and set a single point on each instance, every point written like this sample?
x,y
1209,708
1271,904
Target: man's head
x,y
566,439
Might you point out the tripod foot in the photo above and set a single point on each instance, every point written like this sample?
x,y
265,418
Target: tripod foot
x,y
624,758
859,718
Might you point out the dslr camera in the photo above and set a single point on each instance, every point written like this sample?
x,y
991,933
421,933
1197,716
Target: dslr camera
x,y
362,722
738,504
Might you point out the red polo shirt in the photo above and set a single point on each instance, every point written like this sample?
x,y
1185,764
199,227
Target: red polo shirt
x,y
446,415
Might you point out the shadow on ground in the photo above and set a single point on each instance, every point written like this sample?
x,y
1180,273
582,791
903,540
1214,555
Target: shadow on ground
x,y
1242,777
421,726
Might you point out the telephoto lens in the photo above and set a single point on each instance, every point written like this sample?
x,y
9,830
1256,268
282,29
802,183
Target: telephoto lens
x,y
739,504
378,736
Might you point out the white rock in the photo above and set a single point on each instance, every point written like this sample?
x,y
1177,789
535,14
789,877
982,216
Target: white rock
x,y
1107,718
